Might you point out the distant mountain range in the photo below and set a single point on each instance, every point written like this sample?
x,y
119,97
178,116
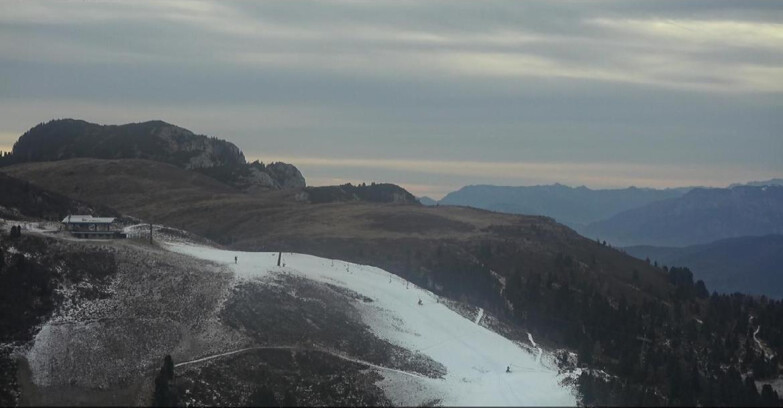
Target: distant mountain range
x,y
526,276
748,264
427,201
770,182
575,207
702,215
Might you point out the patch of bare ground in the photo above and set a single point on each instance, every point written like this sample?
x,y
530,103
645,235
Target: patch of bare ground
x,y
296,378
123,305
121,308
298,312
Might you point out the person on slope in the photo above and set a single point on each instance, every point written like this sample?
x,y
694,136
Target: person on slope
x,y
235,260
420,302
508,369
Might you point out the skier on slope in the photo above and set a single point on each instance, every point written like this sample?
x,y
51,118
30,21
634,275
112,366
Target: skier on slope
x,y
235,260
420,302
508,369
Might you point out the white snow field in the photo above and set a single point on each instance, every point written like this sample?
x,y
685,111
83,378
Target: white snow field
x,y
475,357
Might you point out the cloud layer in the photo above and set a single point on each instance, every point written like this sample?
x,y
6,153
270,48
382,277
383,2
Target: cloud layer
x,y
589,87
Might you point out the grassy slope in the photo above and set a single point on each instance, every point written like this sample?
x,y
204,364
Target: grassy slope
x,y
20,199
566,286
421,243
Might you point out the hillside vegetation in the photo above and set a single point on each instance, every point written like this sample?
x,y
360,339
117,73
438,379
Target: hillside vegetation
x,y
637,322
19,200
154,140
752,265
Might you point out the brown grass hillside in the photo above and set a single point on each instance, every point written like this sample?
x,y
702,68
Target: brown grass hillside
x,y
459,251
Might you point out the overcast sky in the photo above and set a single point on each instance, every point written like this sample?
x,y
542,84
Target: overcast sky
x,y
431,95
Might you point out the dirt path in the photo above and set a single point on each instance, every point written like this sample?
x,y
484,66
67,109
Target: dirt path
x,y
319,350
767,353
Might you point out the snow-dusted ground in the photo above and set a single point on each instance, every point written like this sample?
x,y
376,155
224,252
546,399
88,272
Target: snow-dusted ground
x,y
475,357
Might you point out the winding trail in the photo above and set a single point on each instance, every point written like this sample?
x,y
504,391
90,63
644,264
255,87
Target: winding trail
x,y
479,316
316,349
756,338
533,342
763,349
230,353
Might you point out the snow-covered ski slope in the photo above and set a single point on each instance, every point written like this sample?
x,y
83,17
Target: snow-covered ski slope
x,y
475,357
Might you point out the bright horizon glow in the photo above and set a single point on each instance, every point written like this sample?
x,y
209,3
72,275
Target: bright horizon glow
x,y
603,93
591,175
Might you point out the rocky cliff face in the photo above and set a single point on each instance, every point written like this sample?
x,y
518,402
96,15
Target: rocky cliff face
x,y
153,140
286,175
201,151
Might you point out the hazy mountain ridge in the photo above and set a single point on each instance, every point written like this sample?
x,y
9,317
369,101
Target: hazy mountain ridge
x,y
770,182
540,276
574,207
751,265
702,215
153,140
424,200
553,295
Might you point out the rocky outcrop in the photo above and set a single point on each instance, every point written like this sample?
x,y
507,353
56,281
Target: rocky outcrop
x,y
154,140
256,176
286,175
201,151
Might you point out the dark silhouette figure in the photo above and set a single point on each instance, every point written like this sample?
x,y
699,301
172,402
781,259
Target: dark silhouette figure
x,y
508,369
279,257
263,397
164,394
235,259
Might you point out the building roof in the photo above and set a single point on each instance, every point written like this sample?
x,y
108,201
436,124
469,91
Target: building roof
x,y
87,219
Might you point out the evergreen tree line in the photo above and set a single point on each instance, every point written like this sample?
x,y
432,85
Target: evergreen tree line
x,y
16,232
25,293
691,349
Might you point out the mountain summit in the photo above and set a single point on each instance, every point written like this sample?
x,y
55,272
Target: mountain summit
x,y
575,207
153,140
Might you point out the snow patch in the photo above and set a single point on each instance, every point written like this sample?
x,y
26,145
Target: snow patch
x,y
474,356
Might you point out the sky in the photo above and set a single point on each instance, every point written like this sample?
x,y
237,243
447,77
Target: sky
x,y
431,95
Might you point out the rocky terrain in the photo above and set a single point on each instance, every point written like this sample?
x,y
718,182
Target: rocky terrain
x,y
154,140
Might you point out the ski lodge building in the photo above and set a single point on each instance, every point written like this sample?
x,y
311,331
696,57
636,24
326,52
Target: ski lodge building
x,y
87,226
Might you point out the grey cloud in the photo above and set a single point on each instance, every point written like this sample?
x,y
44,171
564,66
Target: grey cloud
x,y
489,81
